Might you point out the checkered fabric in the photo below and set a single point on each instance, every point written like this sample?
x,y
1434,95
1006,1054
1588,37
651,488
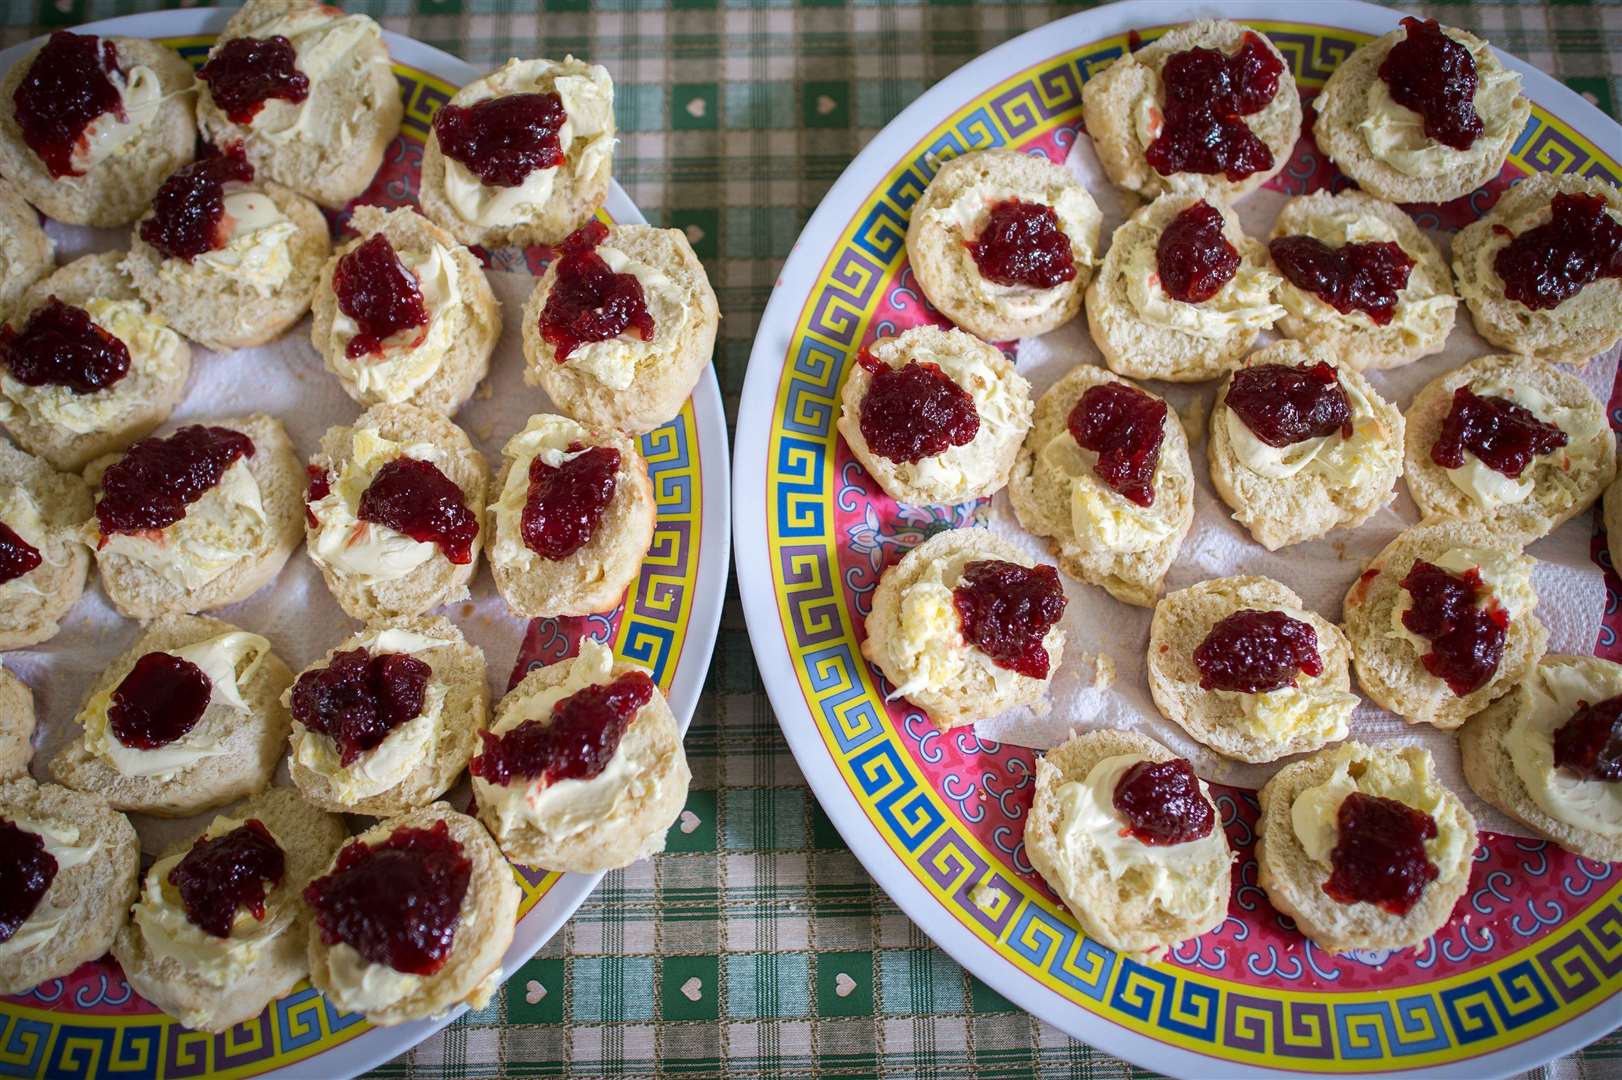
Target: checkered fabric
x,y
757,945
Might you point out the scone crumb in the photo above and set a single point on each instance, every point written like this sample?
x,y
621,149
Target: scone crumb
x,y
1103,671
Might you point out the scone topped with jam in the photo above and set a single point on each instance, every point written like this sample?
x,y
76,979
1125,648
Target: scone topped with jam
x,y
43,555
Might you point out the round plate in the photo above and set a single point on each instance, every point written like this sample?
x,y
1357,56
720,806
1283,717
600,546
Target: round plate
x,y
1521,973
90,1023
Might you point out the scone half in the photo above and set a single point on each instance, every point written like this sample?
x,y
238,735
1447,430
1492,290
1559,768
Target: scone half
x,y
16,726
29,253
43,557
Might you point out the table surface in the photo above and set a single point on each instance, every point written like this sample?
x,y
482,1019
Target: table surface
x,y
757,945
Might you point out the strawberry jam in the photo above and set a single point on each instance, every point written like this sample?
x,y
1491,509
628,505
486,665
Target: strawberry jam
x,y
247,72
159,701
1193,258
156,479
1379,853
66,88
59,345
1005,610
188,212
357,699
1354,277
1467,642
1590,743
17,556
1551,263
377,291
1162,803
1435,76
26,873
1505,436
576,743
1283,404
1207,94
318,487
223,873
590,302
566,502
1022,244
1124,426
1252,652
502,140
397,902
915,411
413,497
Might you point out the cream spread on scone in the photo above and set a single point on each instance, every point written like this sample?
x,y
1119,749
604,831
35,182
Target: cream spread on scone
x,y
1245,302
1422,311
1407,779
1311,707
1486,286
1556,691
361,986
412,358
70,847
614,362
366,553
1506,580
1101,516
547,437
225,525
20,513
325,43
256,251
140,95
1344,461
1488,487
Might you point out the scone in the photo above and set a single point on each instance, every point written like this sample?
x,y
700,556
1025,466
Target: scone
x,y
387,720
1508,439
1004,243
935,416
309,93
966,627
68,864
621,326
1104,475
1547,754
1393,115
394,512
1542,271
1360,280
412,918
1242,666
521,156
197,519
1442,621
404,314
90,126
219,930
85,368
1363,847
1208,106
43,558
583,768
1301,444
16,726
1611,519
1183,292
26,253
188,719
573,517
1129,838
227,260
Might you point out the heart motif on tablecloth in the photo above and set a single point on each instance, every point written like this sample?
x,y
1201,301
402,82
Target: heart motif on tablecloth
x,y
844,984
693,988
534,992
695,108
688,821
826,105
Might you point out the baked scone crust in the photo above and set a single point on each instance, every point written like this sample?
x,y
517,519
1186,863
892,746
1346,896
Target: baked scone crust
x,y
29,616
1611,519
16,726
27,252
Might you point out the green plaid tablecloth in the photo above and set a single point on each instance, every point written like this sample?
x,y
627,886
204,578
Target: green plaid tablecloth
x,y
757,945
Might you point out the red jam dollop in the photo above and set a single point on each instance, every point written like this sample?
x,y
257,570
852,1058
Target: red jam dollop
x,y
413,497
66,88
566,502
1435,76
1590,743
1163,804
1005,610
589,301
502,140
59,345
1022,244
26,873
1379,853
188,212
1207,96
1193,258
377,291
397,902
576,743
247,72
160,700
1283,404
223,873
318,486
1467,642
1360,277
1253,652
17,556
1549,264
914,411
1504,435
358,698
156,479
1124,426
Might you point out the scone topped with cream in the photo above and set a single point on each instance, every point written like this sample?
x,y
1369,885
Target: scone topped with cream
x,y
43,556
523,155
1003,243
1425,113
935,416
308,92
620,326
26,252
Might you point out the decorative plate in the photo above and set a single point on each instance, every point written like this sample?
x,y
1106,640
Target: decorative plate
x,y
1528,969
